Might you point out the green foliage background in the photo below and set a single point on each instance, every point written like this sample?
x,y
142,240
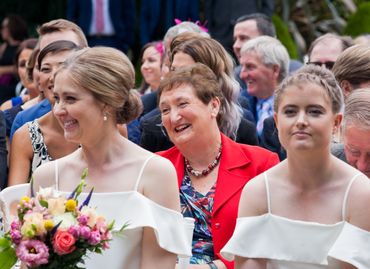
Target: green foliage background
x,y
359,22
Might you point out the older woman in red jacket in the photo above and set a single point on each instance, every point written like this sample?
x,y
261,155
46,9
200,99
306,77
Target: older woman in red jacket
x,y
211,168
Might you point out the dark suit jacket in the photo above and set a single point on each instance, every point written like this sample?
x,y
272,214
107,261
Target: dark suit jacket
x,y
269,138
154,137
221,16
239,163
122,13
3,153
150,13
149,101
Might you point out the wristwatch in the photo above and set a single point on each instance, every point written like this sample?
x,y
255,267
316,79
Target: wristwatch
x,y
212,265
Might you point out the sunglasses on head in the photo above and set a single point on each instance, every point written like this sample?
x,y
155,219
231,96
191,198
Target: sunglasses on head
x,y
329,64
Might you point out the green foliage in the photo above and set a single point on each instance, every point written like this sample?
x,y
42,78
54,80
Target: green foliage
x,y
7,254
359,22
284,36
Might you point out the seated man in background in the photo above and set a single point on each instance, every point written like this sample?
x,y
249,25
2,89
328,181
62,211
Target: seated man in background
x,y
356,132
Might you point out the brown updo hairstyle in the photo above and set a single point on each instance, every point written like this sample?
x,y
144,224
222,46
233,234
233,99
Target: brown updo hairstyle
x,y
110,76
198,76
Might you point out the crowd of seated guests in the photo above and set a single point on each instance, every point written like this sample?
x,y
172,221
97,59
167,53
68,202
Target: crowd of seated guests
x,y
258,131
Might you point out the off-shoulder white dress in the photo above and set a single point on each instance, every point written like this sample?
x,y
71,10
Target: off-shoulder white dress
x,y
288,244
137,211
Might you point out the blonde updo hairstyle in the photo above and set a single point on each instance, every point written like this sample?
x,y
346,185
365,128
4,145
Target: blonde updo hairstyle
x,y
109,75
316,75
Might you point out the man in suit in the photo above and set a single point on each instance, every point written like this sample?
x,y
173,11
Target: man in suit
x,y
105,22
221,16
157,16
265,63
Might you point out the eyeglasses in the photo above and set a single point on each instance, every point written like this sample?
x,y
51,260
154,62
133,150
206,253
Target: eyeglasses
x,y
329,64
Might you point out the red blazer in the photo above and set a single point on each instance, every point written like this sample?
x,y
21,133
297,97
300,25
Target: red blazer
x,y
239,163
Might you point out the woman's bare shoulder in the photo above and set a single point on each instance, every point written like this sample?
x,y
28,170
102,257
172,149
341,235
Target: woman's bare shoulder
x,y
254,196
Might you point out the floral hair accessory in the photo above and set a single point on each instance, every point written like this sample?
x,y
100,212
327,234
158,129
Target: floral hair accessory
x,y
52,231
201,26
159,47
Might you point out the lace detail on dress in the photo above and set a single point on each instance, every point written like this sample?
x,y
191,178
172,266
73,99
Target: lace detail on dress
x,y
40,150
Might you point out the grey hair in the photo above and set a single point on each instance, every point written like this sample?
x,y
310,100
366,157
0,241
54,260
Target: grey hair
x,y
357,109
271,51
233,111
185,26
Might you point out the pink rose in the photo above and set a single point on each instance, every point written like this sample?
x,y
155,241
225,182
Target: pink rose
x,y
64,243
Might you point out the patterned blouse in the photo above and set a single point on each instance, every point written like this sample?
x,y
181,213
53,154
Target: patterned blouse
x,y
198,206
40,150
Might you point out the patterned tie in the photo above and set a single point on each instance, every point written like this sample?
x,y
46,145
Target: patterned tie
x,y
99,22
264,112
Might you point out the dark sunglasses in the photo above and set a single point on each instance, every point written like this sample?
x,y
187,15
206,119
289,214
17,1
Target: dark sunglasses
x,y
329,64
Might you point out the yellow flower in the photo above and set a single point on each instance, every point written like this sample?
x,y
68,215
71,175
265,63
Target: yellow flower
x,y
71,205
48,224
24,199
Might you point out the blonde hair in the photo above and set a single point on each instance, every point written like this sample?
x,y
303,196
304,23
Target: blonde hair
x,y
317,75
61,25
353,65
110,76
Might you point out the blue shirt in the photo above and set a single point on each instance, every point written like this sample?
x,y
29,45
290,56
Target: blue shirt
x,y
30,114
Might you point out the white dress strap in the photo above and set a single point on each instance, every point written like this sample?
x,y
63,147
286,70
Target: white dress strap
x,y
141,172
56,175
344,204
267,192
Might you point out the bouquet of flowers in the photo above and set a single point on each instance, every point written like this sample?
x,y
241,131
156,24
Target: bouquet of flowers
x,y
51,231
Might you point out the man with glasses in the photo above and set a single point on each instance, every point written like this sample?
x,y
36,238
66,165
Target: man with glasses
x,y
325,49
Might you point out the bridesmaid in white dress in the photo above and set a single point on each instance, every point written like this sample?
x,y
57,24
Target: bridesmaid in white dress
x,y
312,210
131,185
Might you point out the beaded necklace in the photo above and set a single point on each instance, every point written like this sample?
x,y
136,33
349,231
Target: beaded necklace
x,y
206,171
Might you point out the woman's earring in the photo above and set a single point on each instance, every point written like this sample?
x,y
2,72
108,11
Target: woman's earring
x,y
105,117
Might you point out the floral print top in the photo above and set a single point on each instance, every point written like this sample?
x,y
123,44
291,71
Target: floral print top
x,y
198,206
40,151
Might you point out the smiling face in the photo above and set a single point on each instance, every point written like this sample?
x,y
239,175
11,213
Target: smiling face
x,y
78,112
184,115
357,148
305,119
49,66
261,79
151,67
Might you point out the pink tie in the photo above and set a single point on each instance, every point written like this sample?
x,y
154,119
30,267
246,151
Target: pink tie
x,y
99,23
